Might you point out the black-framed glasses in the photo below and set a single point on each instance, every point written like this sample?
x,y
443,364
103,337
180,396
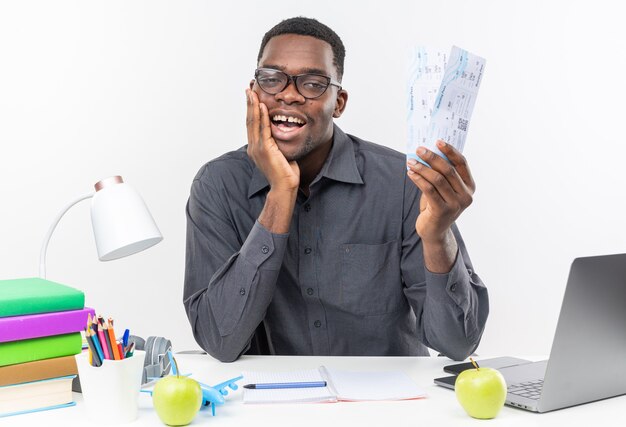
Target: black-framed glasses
x,y
310,86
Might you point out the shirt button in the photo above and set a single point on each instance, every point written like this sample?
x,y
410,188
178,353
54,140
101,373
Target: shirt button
x,y
307,207
265,249
453,287
310,291
242,291
317,324
307,250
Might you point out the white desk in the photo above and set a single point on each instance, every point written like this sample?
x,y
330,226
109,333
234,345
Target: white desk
x,y
439,408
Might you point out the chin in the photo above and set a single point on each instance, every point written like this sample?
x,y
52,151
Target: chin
x,y
294,152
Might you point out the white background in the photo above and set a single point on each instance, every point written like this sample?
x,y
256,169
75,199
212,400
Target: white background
x,y
152,90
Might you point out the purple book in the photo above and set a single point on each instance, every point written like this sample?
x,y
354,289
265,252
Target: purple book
x,y
16,328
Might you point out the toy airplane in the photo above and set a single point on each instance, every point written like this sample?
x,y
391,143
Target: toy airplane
x,y
211,395
214,395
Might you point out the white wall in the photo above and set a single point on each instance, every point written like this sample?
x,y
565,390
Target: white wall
x,y
152,90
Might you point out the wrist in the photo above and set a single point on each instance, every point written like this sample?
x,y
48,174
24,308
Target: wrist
x,y
282,195
440,253
440,240
278,210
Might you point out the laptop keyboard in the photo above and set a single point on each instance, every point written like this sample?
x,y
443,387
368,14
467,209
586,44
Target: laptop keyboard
x,y
529,389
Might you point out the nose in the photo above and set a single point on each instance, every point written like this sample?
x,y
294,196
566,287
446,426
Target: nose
x,y
290,94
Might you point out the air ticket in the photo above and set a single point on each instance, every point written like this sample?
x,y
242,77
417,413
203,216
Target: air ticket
x,y
442,91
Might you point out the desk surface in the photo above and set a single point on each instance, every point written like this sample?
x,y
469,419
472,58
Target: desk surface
x,y
439,408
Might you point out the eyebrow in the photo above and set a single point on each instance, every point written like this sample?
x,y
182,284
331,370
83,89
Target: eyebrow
x,y
301,70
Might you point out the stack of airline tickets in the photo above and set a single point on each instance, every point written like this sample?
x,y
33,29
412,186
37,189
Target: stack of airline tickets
x,y
442,90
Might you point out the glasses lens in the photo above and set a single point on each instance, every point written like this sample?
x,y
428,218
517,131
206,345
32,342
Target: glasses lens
x,y
271,81
311,85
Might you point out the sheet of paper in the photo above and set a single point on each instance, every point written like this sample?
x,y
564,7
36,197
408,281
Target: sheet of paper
x,y
315,394
361,386
442,93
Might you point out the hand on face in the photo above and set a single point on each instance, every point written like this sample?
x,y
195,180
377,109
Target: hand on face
x,y
447,189
301,128
262,149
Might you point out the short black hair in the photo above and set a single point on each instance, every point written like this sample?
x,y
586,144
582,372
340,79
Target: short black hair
x,y
309,27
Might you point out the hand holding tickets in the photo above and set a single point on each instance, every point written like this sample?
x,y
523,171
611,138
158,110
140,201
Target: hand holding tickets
x,y
442,92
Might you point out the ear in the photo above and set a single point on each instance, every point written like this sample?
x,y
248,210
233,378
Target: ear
x,y
340,105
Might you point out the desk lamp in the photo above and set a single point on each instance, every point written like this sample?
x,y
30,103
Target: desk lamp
x,y
122,224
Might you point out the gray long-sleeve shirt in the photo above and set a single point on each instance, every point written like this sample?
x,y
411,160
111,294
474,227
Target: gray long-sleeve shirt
x,y
349,277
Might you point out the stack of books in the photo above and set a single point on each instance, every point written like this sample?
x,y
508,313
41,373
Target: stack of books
x,y
40,324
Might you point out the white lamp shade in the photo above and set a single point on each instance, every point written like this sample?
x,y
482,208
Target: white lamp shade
x,y
122,224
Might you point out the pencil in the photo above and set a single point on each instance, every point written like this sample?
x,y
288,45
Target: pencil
x,y
95,359
116,353
89,323
121,350
94,325
100,335
96,344
107,339
87,338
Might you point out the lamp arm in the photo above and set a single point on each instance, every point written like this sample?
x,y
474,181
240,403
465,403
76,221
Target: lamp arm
x,y
46,239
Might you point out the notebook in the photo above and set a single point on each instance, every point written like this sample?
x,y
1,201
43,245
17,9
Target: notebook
x,y
341,386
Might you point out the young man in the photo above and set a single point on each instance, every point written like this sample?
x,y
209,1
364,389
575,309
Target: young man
x,y
309,241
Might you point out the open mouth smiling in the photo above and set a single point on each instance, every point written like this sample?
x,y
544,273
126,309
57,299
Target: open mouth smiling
x,y
285,126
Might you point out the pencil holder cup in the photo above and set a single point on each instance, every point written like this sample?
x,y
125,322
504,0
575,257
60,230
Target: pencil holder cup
x,y
110,392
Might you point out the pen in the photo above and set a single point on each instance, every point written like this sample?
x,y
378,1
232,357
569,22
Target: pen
x,y
265,386
125,338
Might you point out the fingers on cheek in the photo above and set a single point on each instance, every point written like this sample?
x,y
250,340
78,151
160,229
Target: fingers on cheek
x,y
467,200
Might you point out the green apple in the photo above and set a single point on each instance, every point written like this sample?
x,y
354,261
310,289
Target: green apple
x,y
481,392
177,399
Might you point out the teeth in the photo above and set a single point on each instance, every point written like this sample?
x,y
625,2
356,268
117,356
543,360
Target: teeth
x,y
290,119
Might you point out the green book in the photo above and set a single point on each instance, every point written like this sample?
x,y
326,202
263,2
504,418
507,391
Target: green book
x,y
13,352
35,295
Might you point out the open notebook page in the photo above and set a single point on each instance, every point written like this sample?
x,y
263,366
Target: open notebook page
x,y
315,394
388,385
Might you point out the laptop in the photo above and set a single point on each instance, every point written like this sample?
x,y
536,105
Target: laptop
x,y
588,357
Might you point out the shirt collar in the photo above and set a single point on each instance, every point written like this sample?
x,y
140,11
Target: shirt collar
x,y
340,165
